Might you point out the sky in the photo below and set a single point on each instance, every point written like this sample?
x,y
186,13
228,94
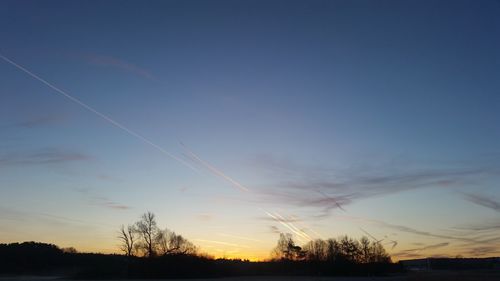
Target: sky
x,y
234,121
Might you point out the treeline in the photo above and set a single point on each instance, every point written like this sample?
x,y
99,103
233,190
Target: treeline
x,y
152,252
342,250
31,258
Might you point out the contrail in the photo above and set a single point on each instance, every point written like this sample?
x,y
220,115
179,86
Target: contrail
x,y
300,234
102,115
309,228
305,235
393,242
371,236
332,199
279,218
214,170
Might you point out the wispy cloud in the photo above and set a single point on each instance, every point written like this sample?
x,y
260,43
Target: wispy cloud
x,y
430,247
222,243
117,63
411,230
483,201
107,203
274,229
239,237
101,201
482,251
485,225
41,156
204,216
361,186
327,189
22,215
415,252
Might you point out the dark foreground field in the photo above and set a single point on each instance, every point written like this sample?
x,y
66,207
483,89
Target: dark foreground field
x,y
489,275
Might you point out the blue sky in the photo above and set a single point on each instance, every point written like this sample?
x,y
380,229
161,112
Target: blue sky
x,y
389,108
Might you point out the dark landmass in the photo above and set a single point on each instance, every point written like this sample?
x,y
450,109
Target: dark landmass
x,y
31,258
40,259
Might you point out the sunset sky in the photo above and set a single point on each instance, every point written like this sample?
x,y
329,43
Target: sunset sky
x,y
233,121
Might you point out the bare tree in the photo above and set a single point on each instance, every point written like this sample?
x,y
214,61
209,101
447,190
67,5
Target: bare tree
x,y
286,248
169,242
127,238
378,253
316,250
332,250
365,249
148,230
350,248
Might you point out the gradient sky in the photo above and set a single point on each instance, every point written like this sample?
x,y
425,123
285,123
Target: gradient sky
x,y
278,112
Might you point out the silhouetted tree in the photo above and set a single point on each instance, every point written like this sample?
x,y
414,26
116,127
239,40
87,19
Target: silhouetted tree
x,y
316,250
127,237
378,253
332,250
286,248
168,242
365,249
350,249
343,250
148,230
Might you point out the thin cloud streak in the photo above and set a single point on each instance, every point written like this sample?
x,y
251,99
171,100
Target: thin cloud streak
x,y
430,247
482,201
415,252
17,215
108,61
105,202
42,156
481,226
101,201
371,236
240,237
411,230
222,243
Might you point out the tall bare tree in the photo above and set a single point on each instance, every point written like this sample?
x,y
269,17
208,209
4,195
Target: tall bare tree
x,y
316,250
128,239
286,248
148,230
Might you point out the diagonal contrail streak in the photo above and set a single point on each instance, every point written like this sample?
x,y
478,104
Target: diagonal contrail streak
x,y
214,170
371,236
301,235
102,115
